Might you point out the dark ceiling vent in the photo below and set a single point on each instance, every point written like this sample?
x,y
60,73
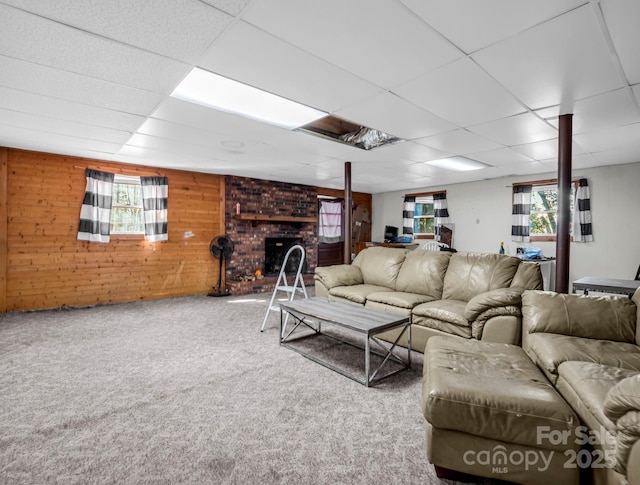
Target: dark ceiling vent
x,y
343,131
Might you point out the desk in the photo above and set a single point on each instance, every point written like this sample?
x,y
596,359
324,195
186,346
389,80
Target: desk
x,y
606,285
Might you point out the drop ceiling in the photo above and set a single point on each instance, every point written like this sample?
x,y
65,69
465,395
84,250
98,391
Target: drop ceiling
x,y
482,79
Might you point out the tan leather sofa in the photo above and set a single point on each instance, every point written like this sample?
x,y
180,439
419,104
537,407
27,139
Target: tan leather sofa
x,y
470,295
487,405
589,348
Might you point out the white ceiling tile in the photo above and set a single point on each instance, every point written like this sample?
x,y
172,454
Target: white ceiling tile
x,y
462,93
26,76
57,126
516,130
530,168
232,7
486,22
585,160
618,156
234,126
31,139
414,152
137,155
180,29
392,114
544,150
554,63
621,16
12,99
500,157
614,108
28,37
459,142
278,67
359,36
636,92
620,137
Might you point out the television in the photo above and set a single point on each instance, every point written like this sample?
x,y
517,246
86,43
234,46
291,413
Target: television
x,y
390,233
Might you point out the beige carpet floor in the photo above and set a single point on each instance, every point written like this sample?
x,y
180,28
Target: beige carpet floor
x,y
188,390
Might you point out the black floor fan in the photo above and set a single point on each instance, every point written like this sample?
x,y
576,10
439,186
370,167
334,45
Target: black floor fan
x,y
220,247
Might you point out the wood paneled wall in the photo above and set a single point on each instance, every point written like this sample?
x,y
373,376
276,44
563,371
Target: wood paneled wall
x,y
47,267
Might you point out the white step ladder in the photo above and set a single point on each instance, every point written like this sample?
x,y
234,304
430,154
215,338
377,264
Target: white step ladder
x,y
283,285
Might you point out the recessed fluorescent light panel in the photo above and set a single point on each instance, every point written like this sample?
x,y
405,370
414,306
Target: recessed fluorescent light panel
x,y
457,164
214,91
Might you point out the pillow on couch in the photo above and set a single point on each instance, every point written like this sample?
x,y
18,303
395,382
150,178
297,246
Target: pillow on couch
x,y
380,266
423,273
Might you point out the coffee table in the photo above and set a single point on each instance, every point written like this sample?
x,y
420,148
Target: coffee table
x,y
313,313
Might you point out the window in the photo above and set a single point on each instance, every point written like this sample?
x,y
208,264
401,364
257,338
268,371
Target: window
x,y
127,213
423,217
543,220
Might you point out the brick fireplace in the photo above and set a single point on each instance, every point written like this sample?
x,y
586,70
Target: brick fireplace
x,y
268,209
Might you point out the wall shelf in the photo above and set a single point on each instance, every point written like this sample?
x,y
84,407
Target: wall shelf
x,y
278,218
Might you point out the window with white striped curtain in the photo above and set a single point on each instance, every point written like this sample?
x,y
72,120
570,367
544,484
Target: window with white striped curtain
x,y
123,205
95,212
423,213
535,211
155,195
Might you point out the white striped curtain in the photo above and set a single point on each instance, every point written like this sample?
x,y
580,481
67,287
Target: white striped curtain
x,y
582,229
408,211
95,213
155,192
440,212
521,213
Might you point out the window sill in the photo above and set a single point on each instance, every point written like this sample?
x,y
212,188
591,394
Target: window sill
x,y
127,236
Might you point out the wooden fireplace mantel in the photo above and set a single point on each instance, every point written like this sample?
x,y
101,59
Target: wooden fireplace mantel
x,y
277,218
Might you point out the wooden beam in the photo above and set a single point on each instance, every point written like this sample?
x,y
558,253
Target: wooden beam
x,y
348,208
563,240
4,172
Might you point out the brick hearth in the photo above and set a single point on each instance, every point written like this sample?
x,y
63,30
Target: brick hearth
x,y
266,198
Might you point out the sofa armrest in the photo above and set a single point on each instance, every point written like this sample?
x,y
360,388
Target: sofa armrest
x,y
338,275
622,406
622,398
493,300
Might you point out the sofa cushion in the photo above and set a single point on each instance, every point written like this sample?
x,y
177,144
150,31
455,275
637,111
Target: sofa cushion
x,y
528,276
549,350
380,266
594,317
355,293
423,272
470,274
491,390
444,315
398,298
588,384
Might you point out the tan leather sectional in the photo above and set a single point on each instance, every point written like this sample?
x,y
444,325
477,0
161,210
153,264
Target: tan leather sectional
x,y
470,295
568,401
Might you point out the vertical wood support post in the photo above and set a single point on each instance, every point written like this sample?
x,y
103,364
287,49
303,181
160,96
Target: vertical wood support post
x,y
222,225
565,132
348,207
4,214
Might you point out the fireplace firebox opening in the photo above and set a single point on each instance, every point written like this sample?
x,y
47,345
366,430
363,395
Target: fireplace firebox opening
x,y
275,249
